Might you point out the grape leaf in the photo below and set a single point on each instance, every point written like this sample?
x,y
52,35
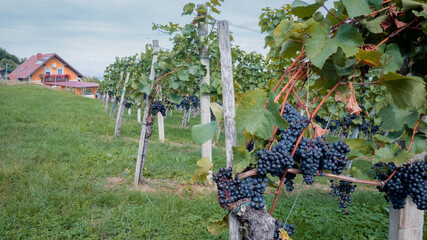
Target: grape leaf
x,y
393,60
407,92
217,111
357,8
283,27
200,174
218,226
411,4
419,144
254,118
348,39
188,9
205,163
377,4
302,9
394,118
240,153
384,154
402,157
319,47
183,75
343,65
370,58
290,48
174,98
374,26
360,144
383,139
202,133
392,153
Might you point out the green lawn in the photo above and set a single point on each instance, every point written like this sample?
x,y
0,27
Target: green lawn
x,y
57,155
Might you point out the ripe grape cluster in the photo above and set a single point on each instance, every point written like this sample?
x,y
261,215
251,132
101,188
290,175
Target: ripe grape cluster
x,y
289,228
193,99
230,190
127,103
312,154
367,126
410,179
185,103
278,159
343,189
156,107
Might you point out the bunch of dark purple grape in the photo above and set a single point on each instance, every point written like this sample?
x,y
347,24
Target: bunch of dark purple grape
x,y
156,107
230,190
343,189
313,155
409,179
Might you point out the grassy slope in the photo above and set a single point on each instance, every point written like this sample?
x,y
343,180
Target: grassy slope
x,y
56,153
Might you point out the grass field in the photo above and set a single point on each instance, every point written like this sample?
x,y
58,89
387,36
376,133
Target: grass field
x,y
60,169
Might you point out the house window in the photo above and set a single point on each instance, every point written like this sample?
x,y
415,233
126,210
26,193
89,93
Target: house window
x,y
60,71
47,70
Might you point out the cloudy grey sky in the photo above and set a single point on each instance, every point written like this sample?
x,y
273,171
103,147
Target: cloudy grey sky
x,y
90,34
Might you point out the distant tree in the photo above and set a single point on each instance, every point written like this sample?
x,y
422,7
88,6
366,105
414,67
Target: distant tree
x,y
11,65
10,59
91,79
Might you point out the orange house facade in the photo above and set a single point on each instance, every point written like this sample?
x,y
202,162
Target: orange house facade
x,y
45,68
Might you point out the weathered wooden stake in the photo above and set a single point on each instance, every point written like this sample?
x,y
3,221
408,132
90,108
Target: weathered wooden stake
x,y
107,104
189,115
121,112
160,121
205,97
139,114
229,111
184,119
142,149
113,109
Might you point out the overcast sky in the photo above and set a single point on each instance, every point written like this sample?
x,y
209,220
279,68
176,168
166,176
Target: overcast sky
x,y
90,34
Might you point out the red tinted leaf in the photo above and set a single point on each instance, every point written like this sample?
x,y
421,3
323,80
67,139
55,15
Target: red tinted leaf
x,y
318,131
386,23
352,105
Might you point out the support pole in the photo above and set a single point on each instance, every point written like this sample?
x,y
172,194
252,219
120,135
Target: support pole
x,y
406,223
140,162
138,113
5,75
120,114
160,121
205,97
229,111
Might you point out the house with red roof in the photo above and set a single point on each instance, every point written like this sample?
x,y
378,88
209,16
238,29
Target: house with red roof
x,y
50,69
42,68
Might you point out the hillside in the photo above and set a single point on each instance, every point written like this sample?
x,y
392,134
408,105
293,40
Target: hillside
x,y
60,172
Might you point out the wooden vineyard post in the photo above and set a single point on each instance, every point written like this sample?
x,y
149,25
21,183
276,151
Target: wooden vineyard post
x,y
113,109
138,114
142,149
121,112
160,121
108,100
229,111
205,113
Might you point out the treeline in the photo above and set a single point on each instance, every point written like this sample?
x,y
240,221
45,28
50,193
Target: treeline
x,y
11,60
